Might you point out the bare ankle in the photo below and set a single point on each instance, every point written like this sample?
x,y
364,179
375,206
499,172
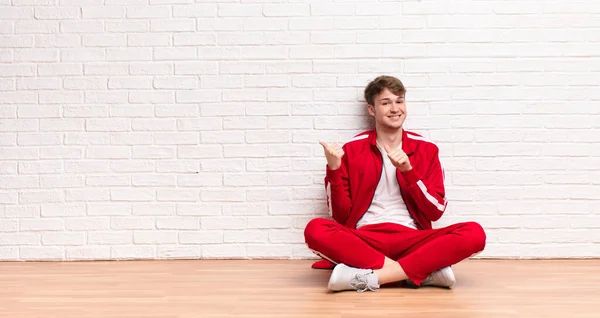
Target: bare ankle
x,y
390,272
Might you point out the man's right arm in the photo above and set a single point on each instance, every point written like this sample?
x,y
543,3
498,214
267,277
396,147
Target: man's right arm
x,y
339,200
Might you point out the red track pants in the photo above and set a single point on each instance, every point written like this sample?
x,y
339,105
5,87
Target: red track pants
x,y
419,252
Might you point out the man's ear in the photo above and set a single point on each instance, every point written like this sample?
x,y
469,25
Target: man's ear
x,y
371,110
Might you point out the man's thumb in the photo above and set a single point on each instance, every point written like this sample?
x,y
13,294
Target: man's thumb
x,y
322,143
386,148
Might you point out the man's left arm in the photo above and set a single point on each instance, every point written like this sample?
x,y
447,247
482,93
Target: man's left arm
x,y
428,189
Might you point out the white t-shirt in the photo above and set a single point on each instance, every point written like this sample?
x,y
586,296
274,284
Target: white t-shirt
x,y
388,205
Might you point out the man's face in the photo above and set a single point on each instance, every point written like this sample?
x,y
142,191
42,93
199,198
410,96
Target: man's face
x,y
389,110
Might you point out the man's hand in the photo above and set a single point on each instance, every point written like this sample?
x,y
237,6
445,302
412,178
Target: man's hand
x,y
399,159
333,154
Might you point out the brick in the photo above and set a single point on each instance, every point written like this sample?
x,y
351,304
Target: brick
x,y
223,223
288,38
289,151
196,68
56,13
103,12
200,180
8,168
16,13
129,54
37,139
155,237
357,23
268,137
38,83
87,253
104,40
195,11
222,165
26,225
179,82
179,252
132,166
84,195
9,253
60,97
226,195
202,209
112,69
130,82
178,195
152,152
132,195
173,25
178,223
246,209
239,10
40,167
152,97
18,154
334,9
153,39
10,139
19,182
85,111
131,138
132,252
262,24
255,236
152,12
106,125
199,152
82,55
63,238
154,209
153,68
200,237
244,179
63,209
311,23
41,253
81,26
108,152
22,211
222,137
86,139
153,180
18,97
269,222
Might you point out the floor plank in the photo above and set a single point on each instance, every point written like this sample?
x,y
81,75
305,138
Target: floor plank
x,y
280,288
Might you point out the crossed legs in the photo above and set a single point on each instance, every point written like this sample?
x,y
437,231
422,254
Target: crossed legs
x,y
395,252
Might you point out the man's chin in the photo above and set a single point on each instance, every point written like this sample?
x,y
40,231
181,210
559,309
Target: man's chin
x,y
391,126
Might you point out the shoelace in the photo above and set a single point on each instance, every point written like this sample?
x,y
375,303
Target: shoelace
x,y
361,283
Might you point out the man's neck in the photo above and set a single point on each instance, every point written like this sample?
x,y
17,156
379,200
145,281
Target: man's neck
x,y
391,139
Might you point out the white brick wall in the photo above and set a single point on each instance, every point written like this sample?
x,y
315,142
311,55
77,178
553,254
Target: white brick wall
x,y
174,129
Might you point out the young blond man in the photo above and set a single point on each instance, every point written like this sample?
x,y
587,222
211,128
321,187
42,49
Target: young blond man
x,y
384,189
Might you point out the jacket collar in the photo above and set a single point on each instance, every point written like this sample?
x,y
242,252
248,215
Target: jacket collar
x,y
408,144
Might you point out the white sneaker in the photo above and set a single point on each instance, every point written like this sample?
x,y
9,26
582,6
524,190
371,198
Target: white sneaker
x,y
345,277
443,278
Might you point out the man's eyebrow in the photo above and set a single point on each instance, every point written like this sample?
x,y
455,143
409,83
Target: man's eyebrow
x,y
401,97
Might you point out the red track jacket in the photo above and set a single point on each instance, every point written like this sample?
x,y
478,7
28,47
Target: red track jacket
x,y
350,188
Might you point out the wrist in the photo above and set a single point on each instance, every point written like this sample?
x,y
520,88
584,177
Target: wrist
x,y
334,165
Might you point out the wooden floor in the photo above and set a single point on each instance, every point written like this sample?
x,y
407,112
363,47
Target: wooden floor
x,y
485,288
